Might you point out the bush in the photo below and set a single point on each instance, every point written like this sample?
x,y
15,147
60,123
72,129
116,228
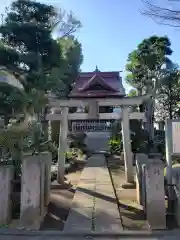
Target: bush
x,y
77,140
114,145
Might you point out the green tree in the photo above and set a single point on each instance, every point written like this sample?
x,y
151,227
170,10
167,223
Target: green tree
x,y
27,32
28,50
167,100
145,63
72,59
145,71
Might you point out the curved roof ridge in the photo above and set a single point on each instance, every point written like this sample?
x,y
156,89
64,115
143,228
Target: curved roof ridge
x,y
98,78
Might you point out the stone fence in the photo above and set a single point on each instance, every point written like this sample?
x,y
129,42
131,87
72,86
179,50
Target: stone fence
x,y
35,189
150,189
176,196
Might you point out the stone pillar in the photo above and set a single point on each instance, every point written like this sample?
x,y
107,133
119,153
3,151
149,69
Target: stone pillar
x,y
47,159
155,201
128,161
62,144
32,191
141,159
6,175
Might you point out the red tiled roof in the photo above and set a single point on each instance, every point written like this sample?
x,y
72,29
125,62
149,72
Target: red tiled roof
x,y
94,80
110,80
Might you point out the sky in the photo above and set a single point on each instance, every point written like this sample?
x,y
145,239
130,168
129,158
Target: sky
x,y
111,29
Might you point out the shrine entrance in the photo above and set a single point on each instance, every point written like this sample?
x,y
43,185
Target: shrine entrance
x,y
93,92
83,122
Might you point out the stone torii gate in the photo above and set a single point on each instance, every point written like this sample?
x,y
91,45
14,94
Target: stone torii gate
x,y
126,114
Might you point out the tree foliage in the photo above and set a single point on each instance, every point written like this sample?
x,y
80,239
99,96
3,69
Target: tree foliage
x,y
167,100
146,61
29,51
72,59
150,63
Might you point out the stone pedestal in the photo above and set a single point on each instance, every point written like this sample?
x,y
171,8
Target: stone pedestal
x,y
155,200
128,161
32,191
62,145
6,176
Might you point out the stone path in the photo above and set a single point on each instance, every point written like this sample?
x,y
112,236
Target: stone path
x,y
94,207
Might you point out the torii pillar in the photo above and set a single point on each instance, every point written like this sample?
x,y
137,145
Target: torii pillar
x,y
128,157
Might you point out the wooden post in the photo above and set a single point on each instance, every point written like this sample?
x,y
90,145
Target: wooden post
x,y
62,144
128,162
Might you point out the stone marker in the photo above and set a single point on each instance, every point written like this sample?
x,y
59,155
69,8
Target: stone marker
x,y
155,201
6,175
32,191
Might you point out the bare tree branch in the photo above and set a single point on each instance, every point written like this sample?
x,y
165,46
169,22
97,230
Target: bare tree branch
x,y
162,15
67,24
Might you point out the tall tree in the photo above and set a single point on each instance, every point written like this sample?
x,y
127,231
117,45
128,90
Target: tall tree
x,y
167,100
28,49
72,59
145,63
27,32
145,70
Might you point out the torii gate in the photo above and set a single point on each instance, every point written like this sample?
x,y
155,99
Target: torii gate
x,y
126,114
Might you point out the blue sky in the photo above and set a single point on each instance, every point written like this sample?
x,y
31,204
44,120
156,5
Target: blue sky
x,y
111,30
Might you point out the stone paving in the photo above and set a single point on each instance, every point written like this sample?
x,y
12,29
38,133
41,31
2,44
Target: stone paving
x,y
94,207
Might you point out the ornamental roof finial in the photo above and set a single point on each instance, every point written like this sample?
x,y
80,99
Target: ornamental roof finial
x,y
97,70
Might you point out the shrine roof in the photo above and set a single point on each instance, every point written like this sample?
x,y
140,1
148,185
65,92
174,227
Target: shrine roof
x,y
110,81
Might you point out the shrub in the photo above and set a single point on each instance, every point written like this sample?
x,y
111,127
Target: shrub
x,y
114,145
